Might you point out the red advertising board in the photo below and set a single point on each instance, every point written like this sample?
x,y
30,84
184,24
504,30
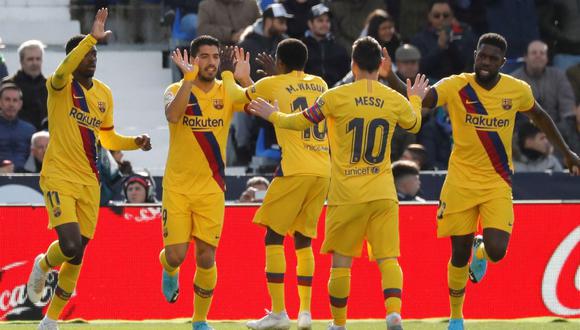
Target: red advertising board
x,y
121,275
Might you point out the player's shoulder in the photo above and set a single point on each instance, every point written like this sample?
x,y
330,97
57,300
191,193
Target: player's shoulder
x,y
174,87
513,81
456,79
101,85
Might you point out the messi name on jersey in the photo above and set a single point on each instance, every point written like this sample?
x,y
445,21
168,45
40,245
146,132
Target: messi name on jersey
x,y
369,101
480,121
84,118
197,122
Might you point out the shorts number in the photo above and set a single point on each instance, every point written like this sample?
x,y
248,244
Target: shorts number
x,y
318,130
368,136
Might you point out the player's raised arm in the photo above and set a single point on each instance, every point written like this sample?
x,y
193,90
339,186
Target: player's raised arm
x,y
296,121
235,65
176,108
546,124
411,120
74,57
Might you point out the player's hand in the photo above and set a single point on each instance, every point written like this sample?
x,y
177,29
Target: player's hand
x,y
227,58
242,70
420,88
572,163
268,65
386,64
189,70
98,30
143,141
262,108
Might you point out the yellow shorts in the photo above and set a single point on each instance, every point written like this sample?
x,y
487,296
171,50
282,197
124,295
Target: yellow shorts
x,y
460,211
68,202
293,204
185,217
347,226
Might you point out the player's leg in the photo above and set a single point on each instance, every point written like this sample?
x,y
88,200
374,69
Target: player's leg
x,y
383,237
177,226
339,289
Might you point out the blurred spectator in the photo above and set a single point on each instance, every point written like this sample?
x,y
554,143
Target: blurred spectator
x,y
407,62
471,12
3,68
186,11
416,153
138,189
560,23
436,136
326,57
6,167
407,182
112,168
256,188
226,19
15,133
446,45
38,145
31,81
517,22
300,9
349,17
381,26
409,16
536,151
551,89
573,74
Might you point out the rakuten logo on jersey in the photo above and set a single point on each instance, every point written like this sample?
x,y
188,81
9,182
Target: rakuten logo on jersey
x,y
561,282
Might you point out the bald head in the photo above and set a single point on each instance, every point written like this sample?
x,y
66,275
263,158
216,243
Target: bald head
x,y
536,57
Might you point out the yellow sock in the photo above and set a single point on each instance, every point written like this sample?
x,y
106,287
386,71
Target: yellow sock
x,y
392,278
172,271
275,269
480,252
457,280
53,257
203,285
67,280
338,290
305,271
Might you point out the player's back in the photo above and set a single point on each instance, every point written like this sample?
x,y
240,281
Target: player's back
x,y
361,119
303,152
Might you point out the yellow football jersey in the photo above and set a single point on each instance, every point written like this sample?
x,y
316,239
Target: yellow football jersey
x,y
197,142
76,116
361,119
483,123
306,152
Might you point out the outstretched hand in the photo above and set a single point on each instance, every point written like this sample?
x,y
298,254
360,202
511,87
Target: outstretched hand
x,y
262,108
227,59
98,29
268,65
242,70
386,64
189,70
420,87
143,141
572,163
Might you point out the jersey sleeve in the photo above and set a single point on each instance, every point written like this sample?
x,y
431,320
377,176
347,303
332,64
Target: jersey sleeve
x,y
169,94
443,88
108,123
259,89
321,107
526,100
410,116
63,72
236,93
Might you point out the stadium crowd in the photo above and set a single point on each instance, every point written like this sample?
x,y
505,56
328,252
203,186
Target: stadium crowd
x,y
435,38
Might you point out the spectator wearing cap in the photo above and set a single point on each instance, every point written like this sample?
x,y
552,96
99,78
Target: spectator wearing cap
x,y
31,81
407,62
446,45
139,189
226,19
407,182
264,35
38,145
326,57
3,67
300,10
416,153
15,133
536,151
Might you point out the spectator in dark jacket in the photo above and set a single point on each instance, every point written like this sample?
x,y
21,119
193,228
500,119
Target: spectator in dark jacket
x,y
435,136
349,18
446,45
560,22
15,133
3,68
300,10
326,58
226,19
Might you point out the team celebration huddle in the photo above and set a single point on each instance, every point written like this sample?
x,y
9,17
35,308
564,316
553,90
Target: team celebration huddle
x,y
335,144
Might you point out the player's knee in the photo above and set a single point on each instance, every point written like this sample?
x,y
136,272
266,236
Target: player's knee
x,y
496,253
174,258
205,258
460,258
71,247
301,241
273,238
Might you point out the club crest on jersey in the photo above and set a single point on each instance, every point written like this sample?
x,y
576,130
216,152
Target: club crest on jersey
x,y
218,104
102,106
506,104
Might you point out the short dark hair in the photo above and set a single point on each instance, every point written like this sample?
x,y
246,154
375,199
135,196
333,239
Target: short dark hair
x,y
493,39
10,86
73,42
204,40
366,53
293,53
432,3
403,168
526,130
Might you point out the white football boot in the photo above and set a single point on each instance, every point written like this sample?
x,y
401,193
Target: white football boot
x,y
36,281
271,321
